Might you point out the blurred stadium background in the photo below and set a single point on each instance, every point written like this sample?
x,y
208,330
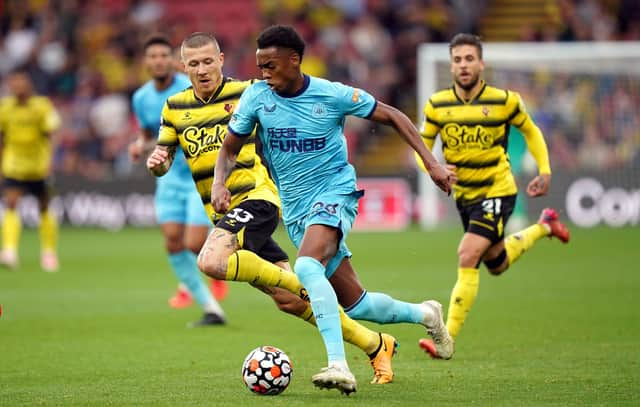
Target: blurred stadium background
x,y
563,330
86,55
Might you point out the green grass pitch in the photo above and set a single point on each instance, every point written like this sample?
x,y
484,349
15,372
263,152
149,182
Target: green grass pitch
x,y
562,327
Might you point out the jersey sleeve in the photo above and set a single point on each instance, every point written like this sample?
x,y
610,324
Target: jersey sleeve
x,y
532,135
429,130
354,101
168,136
51,119
244,117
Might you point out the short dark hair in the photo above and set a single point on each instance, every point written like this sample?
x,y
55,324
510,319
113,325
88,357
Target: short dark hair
x,y
200,39
281,36
157,39
466,39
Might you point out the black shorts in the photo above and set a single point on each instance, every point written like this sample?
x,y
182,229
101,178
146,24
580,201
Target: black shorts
x,y
488,217
39,188
254,221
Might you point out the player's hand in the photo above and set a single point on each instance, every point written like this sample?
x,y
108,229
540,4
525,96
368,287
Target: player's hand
x,y
444,177
135,151
157,160
220,197
539,185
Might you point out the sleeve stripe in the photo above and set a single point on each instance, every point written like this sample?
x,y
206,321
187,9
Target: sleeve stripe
x,y
375,105
230,130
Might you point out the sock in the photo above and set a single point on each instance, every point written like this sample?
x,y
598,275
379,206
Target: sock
x,y
462,297
352,332
247,266
11,228
185,266
325,305
48,231
383,309
518,243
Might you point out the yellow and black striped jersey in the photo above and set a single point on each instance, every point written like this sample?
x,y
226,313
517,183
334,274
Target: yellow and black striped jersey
x,y
474,138
26,147
200,127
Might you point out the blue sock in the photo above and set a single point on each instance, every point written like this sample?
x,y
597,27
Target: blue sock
x,y
324,304
381,308
185,266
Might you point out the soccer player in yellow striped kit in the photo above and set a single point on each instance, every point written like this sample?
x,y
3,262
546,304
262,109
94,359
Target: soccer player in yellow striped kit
x,y
26,123
473,121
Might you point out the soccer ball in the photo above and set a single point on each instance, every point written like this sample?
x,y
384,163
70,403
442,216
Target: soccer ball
x,y
267,370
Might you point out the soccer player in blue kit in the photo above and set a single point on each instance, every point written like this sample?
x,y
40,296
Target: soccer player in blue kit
x,y
300,124
179,208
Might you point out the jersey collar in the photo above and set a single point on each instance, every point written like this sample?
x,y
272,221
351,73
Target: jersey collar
x,y
215,93
475,98
304,87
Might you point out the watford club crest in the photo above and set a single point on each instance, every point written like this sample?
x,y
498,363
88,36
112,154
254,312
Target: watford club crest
x,y
485,111
228,107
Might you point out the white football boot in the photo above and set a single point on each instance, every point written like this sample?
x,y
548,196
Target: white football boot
x,y
438,330
335,377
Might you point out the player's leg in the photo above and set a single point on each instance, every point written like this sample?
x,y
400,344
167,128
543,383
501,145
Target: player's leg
x,y
48,229
378,346
184,264
317,247
198,217
548,226
324,230
381,308
197,225
470,251
11,223
229,252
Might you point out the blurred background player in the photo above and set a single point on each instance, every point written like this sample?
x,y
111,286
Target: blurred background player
x,y
301,120
26,123
472,118
183,220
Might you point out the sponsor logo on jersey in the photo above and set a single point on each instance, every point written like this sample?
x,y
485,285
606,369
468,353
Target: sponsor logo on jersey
x,y
203,140
460,137
286,140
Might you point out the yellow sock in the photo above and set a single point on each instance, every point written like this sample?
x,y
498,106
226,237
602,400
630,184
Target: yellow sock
x,y
358,335
48,231
308,316
247,266
352,331
11,228
462,298
518,243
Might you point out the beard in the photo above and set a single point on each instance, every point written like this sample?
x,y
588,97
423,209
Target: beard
x,y
473,82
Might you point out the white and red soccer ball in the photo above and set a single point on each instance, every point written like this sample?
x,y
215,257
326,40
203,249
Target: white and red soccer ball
x,y
267,370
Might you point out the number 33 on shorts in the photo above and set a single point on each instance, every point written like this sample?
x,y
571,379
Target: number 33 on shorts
x,y
238,215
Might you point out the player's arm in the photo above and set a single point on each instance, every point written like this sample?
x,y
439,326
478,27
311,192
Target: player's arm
x,y
429,131
142,145
160,159
227,156
393,117
535,143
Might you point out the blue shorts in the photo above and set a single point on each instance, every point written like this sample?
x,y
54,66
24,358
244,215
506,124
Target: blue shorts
x,y
180,205
331,209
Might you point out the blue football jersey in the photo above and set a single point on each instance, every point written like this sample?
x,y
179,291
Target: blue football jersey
x,y
147,104
302,138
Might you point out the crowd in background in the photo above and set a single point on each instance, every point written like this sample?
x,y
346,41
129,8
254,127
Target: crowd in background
x,y
86,56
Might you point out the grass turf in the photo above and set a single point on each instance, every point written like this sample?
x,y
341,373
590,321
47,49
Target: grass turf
x,y
560,328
